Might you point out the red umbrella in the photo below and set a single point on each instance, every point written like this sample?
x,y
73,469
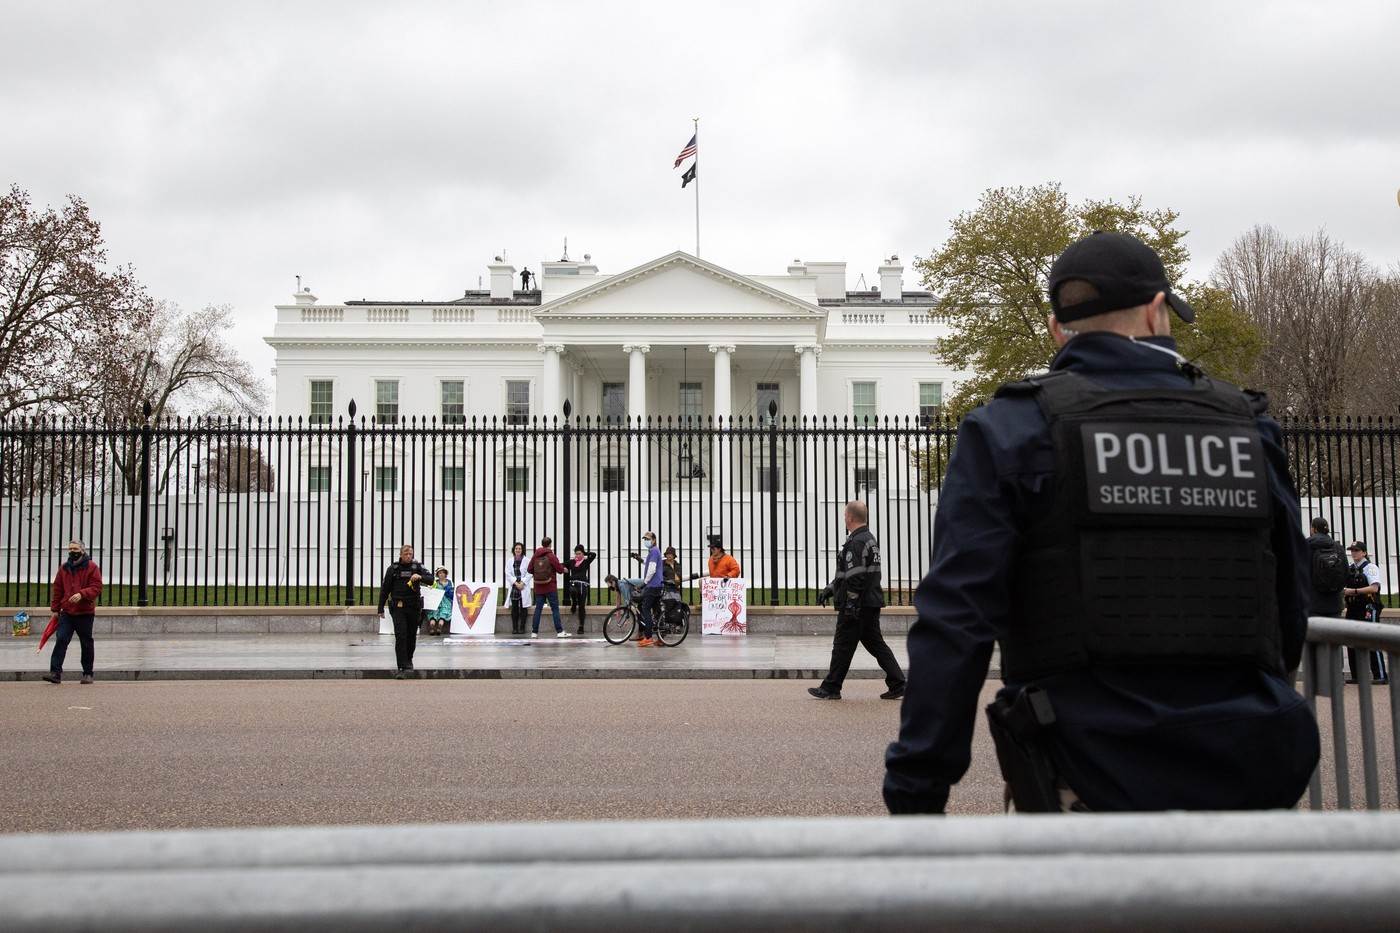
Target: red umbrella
x,y
48,632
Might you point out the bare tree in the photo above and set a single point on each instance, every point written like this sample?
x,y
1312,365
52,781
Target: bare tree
x,y
61,311
237,466
1327,316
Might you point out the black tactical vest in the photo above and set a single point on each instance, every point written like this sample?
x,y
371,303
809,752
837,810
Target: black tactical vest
x,y
1156,549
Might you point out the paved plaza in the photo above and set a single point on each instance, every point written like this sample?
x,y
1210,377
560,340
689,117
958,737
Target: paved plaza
x,y
212,657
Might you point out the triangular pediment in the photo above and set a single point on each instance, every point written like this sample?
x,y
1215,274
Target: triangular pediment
x,y
678,285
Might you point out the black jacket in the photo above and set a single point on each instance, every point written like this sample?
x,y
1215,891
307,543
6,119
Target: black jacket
x,y
856,585
1147,738
577,580
1319,603
395,587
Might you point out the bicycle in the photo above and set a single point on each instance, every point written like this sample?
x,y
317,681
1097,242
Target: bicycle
x,y
671,621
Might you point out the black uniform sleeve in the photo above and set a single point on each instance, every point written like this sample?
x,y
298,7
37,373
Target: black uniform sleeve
x,y
963,604
385,588
1293,568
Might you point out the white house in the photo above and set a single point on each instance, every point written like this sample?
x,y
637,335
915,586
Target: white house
x,y
677,336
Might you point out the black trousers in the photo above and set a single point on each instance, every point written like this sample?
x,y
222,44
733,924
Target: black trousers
x,y
578,596
1378,671
405,634
68,626
517,617
862,629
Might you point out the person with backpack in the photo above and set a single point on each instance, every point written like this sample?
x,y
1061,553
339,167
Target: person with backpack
x,y
1327,564
1363,599
544,569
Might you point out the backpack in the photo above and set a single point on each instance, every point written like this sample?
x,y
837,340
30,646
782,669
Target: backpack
x,y
542,569
1329,568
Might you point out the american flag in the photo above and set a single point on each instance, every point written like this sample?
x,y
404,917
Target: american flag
x,y
686,153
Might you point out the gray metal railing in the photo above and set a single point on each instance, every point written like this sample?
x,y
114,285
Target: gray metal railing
x,y
1323,677
1204,872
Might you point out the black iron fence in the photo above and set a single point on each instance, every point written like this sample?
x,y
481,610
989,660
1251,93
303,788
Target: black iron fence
x,y
287,512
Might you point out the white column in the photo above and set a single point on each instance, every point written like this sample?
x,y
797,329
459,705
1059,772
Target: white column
x,y
549,385
636,379
724,397
807,382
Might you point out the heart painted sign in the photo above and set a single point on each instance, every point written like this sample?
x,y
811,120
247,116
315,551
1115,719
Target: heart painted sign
x,y
474,609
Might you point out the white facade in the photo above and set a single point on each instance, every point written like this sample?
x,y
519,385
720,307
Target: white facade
x,y
675,336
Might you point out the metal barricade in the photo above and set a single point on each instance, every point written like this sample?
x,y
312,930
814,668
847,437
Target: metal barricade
x,y
1203,872
1323,677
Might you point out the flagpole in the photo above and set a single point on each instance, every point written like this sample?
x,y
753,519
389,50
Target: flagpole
x,y
696,121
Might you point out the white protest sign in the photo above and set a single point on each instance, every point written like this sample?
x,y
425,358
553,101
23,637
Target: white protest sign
x,y
724,606
432,598
474,609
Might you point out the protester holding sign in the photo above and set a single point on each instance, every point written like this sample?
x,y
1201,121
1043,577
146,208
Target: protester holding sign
x,y
440,616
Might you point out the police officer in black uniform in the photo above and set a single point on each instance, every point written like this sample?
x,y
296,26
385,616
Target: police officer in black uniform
x,y
402,592
1126,529
856,593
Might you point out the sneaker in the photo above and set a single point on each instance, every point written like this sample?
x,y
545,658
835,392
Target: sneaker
x,y
645,642
54,678
87,679
564,633
895,693
534,634
399,675
821,693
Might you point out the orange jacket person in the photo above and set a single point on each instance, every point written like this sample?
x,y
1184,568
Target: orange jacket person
x,y
721,564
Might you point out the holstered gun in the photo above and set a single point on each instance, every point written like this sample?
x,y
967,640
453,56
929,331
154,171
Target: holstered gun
x,y
1020,730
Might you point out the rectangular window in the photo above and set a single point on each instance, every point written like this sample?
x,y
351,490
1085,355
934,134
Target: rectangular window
x,y
386,479
322,401
517,401
318,479
863,401
765,481
517,479
454,401
867,479
614,401
614,479
688,402
386,401
930,401
454,478
766,393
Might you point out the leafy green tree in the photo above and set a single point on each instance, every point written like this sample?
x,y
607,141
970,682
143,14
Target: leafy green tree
x,y
990,275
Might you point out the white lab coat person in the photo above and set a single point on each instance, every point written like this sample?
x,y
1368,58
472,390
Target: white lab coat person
x,y
517,570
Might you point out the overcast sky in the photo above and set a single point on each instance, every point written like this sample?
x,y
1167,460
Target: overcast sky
x,y
390,150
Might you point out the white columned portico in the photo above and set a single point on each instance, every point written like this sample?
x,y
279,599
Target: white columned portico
x,y
724,397
550,383
807,381
636,379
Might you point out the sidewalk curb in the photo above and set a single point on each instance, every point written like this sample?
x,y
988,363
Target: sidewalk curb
x,y
460,673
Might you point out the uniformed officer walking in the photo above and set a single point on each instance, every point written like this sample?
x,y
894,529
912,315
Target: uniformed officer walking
x,y
1126,529
402,593
856,593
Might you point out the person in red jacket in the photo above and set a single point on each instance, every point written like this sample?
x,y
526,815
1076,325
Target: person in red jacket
x,y
75,592
544,568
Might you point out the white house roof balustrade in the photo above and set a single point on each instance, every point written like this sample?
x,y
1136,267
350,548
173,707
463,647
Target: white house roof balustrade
x,y
677,332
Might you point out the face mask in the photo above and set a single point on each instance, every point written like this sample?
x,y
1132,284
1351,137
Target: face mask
x,y
647,542
74,555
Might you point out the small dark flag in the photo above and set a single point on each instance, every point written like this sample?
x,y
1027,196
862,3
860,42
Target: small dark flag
x,y
689,175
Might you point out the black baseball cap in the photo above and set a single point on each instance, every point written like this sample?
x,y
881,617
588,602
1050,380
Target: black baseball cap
x,y
1125,270
1357,546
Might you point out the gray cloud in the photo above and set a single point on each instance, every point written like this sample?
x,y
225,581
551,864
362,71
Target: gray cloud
x,y
390,151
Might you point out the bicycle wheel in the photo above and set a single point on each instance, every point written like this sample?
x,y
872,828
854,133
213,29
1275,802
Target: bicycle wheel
x,y
672,632
619,625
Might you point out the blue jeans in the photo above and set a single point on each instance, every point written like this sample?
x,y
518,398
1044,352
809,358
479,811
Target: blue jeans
x,y
626,585
553,600
651,598
67,626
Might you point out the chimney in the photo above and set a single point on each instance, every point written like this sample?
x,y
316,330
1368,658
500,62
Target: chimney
x,y
304,297
502,279
892,280
831,279
796,268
